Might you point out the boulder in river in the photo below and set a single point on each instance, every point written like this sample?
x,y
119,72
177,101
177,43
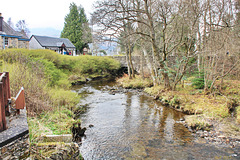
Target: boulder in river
x,y
77,131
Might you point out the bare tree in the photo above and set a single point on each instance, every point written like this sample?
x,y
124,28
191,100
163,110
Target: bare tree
x,y
21,26
191,31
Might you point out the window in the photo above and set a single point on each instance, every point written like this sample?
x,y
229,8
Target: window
x,y
6,41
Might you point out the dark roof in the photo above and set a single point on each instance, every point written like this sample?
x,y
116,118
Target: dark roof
x,y
45,41
8,30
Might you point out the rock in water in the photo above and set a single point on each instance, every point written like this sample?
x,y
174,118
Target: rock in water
x,y
77,132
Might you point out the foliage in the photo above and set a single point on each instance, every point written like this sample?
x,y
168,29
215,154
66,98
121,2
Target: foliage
x,y
238,114
103,51
58,67
76,27
35,86
137,82
197,122
46,78
58,121
21,27
61,97
198,81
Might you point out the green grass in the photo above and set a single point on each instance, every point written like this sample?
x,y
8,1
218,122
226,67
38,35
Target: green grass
x,y
78,65
136,83
46,77
238,114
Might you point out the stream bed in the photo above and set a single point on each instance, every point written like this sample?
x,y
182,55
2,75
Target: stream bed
x,y
131,125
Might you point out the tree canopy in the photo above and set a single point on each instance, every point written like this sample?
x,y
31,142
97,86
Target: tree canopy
x,y
76,27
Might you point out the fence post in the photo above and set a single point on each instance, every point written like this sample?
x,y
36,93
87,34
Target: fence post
x,y
3,125
7,84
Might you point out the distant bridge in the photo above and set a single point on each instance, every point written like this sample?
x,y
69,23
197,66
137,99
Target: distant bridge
x,y
136,60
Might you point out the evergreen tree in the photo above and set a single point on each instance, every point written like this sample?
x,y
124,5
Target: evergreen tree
x,y
76,27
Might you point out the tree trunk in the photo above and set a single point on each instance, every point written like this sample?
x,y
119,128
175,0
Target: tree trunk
x,y
150,66
128,64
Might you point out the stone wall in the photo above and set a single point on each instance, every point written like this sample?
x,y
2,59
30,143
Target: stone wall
x,y
18,149
23,44
12,42
55,151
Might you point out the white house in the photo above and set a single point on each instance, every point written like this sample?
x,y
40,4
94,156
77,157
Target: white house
x,y
60,45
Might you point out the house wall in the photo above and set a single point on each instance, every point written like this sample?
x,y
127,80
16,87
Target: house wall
x,y
12,43
33,44
1,42
23,44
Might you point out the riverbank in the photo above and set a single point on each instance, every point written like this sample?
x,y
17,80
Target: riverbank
x,y
47,78
207,113
135,126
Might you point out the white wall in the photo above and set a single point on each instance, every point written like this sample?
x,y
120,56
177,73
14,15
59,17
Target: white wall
x,y
33,44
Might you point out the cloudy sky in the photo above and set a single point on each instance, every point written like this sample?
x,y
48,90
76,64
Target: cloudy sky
x,y
41,13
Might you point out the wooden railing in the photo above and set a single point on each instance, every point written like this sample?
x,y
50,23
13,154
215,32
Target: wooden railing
x,y
4,96
5,99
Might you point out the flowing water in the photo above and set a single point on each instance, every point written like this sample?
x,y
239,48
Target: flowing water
x,y
129,125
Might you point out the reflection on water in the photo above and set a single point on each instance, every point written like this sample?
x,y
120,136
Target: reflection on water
x,y
132,126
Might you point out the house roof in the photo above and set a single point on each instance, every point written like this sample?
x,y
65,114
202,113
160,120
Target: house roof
x,y
45,41
8,30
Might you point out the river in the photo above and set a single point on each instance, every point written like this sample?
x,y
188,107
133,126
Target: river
x,y
131,125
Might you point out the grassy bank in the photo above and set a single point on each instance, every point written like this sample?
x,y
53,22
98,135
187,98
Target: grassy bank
x,y
223,106
47,77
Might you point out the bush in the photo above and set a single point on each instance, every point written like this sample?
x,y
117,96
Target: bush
x,y
45,76
79,65
61,97
137,83
238,114
35,86
198,81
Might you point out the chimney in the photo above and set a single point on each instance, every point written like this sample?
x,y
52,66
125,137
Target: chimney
x,y
1,22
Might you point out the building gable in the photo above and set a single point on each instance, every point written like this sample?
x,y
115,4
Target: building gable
x,y
48,42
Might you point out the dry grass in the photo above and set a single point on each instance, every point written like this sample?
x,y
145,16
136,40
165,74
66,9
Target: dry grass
x,y
136,83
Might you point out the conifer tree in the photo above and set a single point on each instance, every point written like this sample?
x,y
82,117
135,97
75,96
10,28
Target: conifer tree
x,y
76,27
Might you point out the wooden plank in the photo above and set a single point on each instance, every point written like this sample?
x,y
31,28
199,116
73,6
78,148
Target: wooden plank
x,y
20,99
5,90
1,105
8,89
3,123
1,76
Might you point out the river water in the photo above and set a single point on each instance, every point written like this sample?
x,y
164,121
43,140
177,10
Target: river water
x,y
130,125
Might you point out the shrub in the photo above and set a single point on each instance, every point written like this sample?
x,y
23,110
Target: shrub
x,y
137,82
198,81
62,97
238,114
34,84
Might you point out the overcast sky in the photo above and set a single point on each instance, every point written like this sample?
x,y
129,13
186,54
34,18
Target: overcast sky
x,y
41,13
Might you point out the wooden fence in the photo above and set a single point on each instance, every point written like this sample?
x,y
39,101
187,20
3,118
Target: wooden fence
x,y
4,97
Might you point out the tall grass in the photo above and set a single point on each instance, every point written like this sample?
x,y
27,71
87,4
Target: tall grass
x,y
46,78
46,75
68,64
